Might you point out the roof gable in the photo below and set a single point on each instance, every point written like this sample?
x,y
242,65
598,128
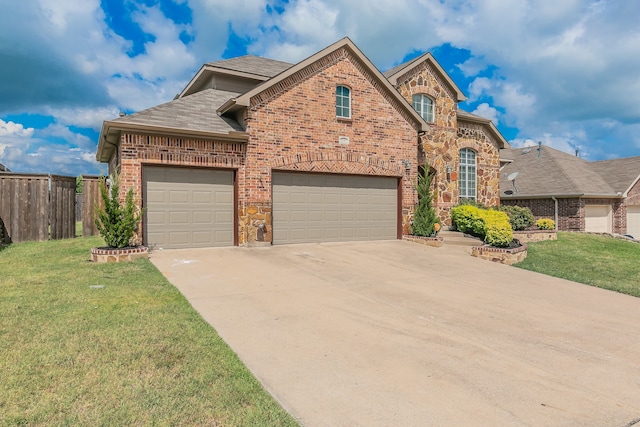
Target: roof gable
x,y
398,71
244,100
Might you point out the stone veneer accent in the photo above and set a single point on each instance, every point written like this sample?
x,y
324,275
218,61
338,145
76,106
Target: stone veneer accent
x,y
503,256
119,255
440,146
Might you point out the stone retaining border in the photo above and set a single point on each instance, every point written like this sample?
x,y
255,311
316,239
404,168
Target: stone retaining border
x,y
501,255
430,241
119,255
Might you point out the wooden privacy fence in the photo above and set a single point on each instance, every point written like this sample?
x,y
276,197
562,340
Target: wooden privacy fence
x,y
41,207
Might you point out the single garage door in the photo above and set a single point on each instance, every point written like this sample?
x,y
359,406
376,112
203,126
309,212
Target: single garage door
x,y
597,218
633,221
188,208
333,208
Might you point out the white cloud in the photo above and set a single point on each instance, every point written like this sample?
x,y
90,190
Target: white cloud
x,y
14,129
83,117
488,112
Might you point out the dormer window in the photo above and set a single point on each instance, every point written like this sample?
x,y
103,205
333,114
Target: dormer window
x,y
424,106
343,102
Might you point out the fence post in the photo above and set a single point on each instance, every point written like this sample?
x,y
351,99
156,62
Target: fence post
x,y
90,202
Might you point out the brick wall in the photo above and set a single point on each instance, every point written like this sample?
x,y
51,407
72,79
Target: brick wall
x,y
294,127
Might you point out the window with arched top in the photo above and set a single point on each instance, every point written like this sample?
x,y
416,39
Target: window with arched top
x,y
343,102
468,173
424,106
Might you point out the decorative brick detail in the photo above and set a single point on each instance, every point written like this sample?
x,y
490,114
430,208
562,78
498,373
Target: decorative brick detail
x,y
503,256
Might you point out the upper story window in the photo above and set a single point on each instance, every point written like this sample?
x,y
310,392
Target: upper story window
x,y
424,106
343,102
468,172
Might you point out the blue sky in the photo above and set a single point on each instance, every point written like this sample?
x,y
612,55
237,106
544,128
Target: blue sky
x,y
566,73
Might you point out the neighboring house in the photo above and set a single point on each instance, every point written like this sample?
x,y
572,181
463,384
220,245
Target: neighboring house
x,y
257,150
602,196
3,168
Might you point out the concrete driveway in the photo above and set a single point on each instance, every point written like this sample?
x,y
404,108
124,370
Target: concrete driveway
x,y
400,334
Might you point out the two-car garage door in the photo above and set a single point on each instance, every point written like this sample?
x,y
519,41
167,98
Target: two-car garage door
x,y
333,208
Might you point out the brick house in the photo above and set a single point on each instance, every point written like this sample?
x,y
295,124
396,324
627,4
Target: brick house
x,y
602,196
255,151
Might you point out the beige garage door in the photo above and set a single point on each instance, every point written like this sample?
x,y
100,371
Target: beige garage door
x,y
188,208
333,208
633,221
597,218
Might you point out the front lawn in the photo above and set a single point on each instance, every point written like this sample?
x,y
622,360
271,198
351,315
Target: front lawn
x,y
594,260
113,344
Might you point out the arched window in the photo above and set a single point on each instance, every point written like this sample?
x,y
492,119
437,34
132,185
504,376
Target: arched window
x,y
424,106
343,102
468,172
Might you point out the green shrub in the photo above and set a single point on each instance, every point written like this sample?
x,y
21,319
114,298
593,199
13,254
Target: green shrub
x,y
546,224
499,232
116,223
520,217
424,218
463,217
489,224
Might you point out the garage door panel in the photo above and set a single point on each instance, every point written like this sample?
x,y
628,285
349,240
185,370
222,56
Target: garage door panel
x,y
633,221
597,218
188,207
318,208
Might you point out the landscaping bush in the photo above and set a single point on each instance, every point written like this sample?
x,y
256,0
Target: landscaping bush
x,y
424,218
116,222
546,224
463,217
520,217
490,225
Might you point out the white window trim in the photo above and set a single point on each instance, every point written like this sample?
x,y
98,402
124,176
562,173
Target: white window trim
x,y
421,109
342,96
467,166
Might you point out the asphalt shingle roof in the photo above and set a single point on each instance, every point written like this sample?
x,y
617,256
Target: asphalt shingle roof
x,y
253,64
551,172
192,112
619,173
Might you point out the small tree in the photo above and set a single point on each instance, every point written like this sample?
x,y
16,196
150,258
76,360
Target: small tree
x,y
116,222
424,218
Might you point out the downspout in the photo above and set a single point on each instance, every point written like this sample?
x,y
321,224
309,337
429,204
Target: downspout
x,y
555,201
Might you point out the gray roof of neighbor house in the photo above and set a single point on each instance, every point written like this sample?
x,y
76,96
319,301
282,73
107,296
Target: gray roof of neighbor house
x,y
621,174
547,172
253,65
3,168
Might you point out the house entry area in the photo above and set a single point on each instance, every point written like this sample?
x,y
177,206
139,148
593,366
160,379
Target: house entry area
x,y
311,208
188,208
633,221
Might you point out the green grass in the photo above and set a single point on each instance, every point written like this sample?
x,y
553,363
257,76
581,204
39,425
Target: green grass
x,y
133,352
604,262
